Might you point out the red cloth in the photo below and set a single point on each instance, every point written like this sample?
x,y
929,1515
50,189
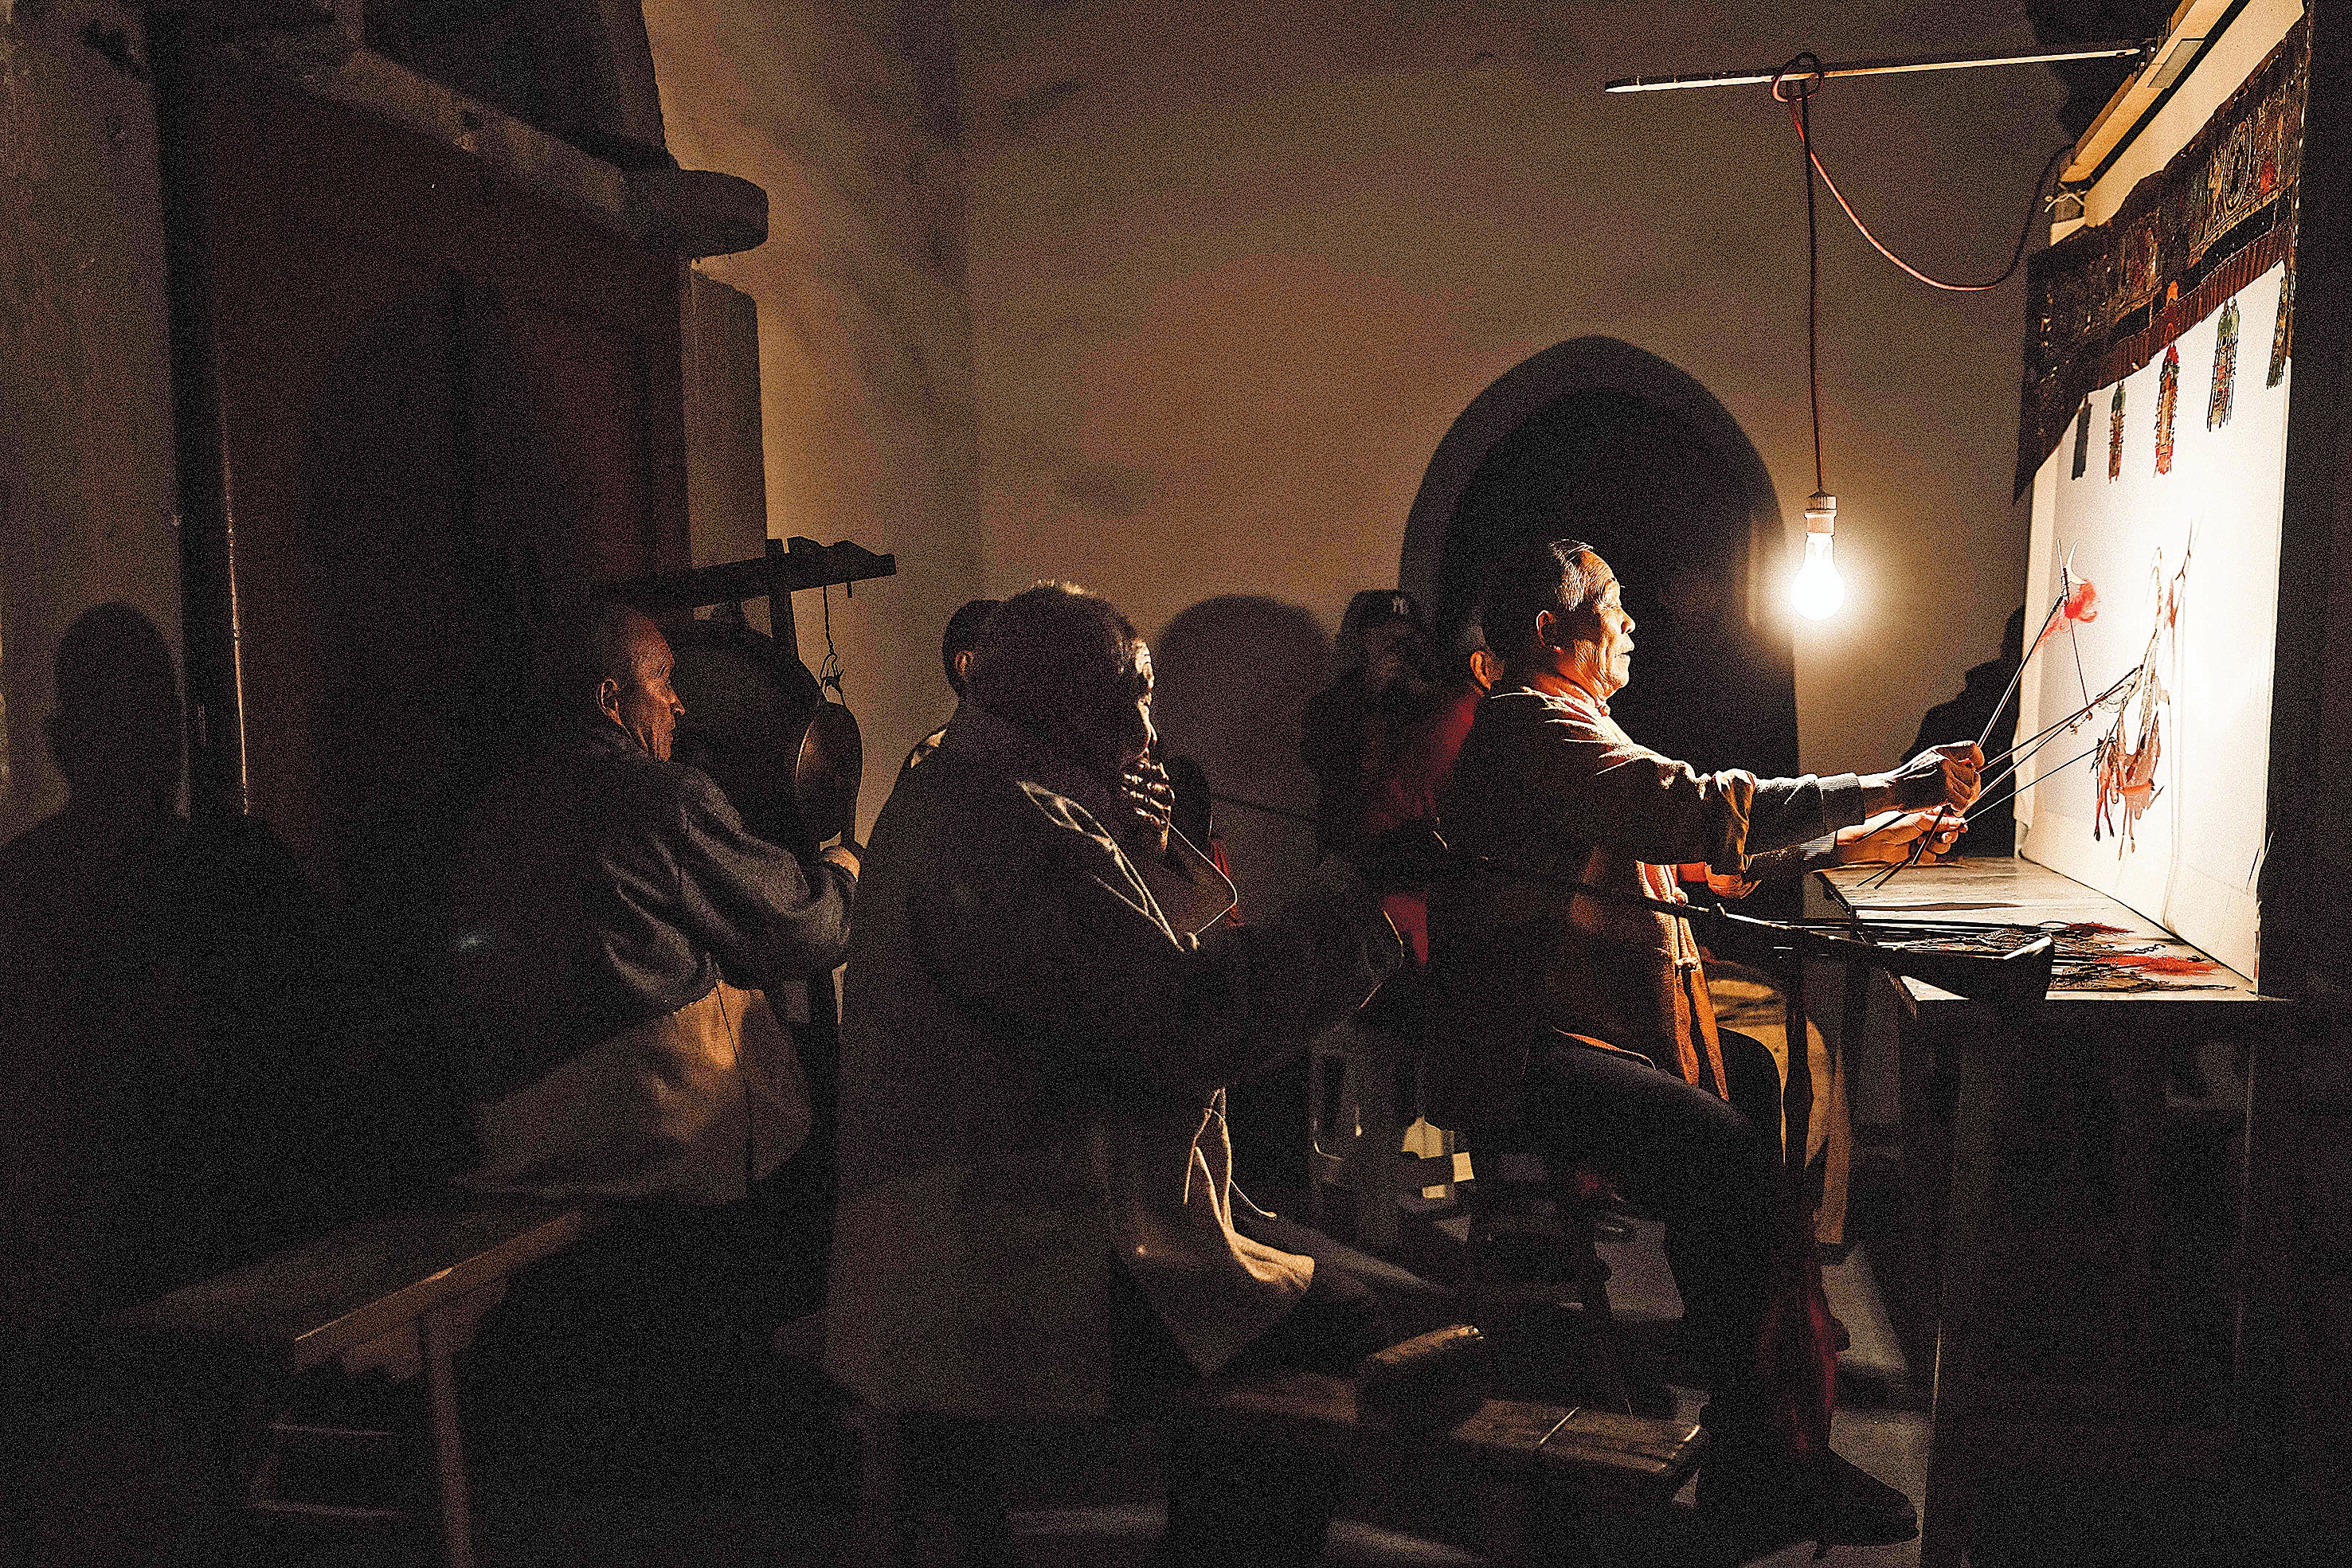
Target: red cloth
x,y
1224,869
1403,788
1796,1348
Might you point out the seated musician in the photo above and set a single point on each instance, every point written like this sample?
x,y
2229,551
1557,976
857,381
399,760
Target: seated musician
x,y
614,927
1586,1024
1035,1188
957,644
1382,690
1405,781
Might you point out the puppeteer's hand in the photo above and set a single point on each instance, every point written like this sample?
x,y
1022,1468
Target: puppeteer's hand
x,y
1729,887
1146,792
1939,776
1887,840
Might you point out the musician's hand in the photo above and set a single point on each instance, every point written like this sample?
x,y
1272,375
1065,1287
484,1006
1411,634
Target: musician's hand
x,y
1729,887
843,854
1939,776
1145,791
1407,858
1887,840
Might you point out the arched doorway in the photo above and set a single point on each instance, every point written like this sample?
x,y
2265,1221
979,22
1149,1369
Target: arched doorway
x,y
1596,439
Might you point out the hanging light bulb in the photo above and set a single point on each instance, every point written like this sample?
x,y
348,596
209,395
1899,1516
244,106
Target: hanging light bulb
x,y
1818,589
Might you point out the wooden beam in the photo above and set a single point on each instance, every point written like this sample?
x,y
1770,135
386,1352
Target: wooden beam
x,y
780,572
2194,25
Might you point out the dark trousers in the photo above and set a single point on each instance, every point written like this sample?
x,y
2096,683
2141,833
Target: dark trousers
x,y
1708,1168
1230,1501
644,1352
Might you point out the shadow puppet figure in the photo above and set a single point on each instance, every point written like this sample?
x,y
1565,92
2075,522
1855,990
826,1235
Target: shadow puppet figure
x,y
160,1095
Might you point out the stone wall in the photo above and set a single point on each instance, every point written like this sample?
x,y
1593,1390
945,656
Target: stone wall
x,y
86,504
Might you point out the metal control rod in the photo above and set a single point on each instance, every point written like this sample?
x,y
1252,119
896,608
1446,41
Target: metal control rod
x,y
2144,50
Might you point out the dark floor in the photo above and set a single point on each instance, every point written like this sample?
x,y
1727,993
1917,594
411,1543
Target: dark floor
x,y
1088,1497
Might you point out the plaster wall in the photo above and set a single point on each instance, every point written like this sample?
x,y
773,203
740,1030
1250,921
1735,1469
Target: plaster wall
x,y
842,111
86,506
1234,271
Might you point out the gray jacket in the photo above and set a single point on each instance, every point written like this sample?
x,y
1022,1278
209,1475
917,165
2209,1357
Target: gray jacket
x,y
1032,1047
611,919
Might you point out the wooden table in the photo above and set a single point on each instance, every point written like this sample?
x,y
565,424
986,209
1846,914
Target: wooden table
x,y
1972,1087
405,1274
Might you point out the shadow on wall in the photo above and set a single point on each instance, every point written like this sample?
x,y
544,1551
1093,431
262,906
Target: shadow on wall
x,y
163,1102
1232,675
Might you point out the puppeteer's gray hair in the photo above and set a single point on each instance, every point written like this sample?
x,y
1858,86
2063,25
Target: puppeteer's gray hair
x,y
1563,576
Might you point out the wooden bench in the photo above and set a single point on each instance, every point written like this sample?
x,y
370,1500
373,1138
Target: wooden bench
x,y
398,1288
1541,1471
1546,1468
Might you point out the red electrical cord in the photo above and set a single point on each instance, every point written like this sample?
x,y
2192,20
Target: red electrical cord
x,y
1795,85
1804,96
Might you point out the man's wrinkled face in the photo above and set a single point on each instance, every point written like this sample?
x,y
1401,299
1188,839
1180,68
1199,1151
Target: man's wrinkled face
x,y
645,706
1594,647
1137,735
1110,729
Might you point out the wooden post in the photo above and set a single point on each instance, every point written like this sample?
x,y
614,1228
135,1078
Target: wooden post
x,y
449,1450
1797,1094
1985,1067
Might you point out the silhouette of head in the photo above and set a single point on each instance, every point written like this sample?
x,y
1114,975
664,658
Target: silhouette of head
x,y
961,642
1066,665
1473,660
115,730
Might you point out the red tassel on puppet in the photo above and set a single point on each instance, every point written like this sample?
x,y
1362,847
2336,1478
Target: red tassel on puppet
x,y
2081,608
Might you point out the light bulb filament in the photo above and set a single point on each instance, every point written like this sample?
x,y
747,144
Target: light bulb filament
x,y
1818,589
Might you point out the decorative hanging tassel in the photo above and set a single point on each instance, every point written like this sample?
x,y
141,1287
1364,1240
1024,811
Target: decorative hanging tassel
x,y
2082,438
2116,435
2283,329
2168,400
2225,369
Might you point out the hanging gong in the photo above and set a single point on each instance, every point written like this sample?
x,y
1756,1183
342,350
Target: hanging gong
x,y
758,724
826,773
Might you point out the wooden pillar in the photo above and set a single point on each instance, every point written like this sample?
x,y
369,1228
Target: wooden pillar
x,y
448,1448
211,631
